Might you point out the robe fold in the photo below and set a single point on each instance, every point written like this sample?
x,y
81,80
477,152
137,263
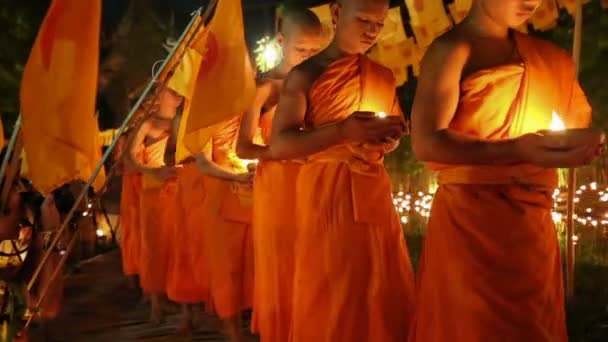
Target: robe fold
x,y
187,282
274,237
227,241
353,278
129,223
491,269
155,210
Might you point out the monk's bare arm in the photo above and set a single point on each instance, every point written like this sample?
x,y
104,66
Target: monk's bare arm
x,y
245,147
134,144
288,140
435,104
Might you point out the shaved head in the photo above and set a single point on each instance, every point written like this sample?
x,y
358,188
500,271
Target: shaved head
x,y
299,34
294,19
358,23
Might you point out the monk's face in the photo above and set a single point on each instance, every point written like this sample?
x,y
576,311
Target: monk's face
x,y
358,23
510,13
169,98
299,45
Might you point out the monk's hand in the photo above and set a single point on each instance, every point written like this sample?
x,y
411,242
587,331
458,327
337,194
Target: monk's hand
x,y
246,178
367,127
571,148
164,173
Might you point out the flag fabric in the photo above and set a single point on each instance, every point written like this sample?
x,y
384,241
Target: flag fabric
x,y
183,81
181,51
546,15
225,86
57,95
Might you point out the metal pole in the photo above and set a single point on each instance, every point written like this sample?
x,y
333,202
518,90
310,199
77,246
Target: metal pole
x,y
9,149
106,155
570,250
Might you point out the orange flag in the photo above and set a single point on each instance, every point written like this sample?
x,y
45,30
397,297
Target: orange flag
x,y
225,85
58,93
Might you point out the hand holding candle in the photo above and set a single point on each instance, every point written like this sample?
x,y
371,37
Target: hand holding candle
x,y
559,147
561,138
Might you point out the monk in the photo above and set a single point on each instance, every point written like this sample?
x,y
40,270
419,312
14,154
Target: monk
x,y
274,196
149,140
491,268
227,241
353,278
187,283
130,243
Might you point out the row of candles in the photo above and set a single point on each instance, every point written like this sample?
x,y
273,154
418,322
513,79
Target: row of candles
x,y
591,205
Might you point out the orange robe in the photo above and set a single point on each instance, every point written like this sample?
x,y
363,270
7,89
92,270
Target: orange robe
x,y
353,277
187,282
227,244
129,223
274,236
490,268
156,228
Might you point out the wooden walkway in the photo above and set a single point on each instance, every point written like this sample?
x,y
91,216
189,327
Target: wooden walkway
x,y
99,308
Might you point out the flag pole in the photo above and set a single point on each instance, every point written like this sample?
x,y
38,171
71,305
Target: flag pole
x,y
110,148
9,149
570,250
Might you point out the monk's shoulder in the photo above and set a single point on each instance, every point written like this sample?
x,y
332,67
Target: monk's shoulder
x,y
550,50
449,51
302,76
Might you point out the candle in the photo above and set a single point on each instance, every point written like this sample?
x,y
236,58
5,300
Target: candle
x,y
556,123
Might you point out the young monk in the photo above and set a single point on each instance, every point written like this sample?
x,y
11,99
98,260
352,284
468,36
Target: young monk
x,y
187,283
130,243
491,265
227,244
353,279
274,196
149,140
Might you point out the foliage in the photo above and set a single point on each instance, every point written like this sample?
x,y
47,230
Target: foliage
x,y
19,26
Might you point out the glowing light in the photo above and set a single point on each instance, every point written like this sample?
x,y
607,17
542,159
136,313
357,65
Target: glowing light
x,y
556,123
381,115
267,54
99,233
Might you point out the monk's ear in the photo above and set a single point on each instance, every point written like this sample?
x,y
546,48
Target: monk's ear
x,y
280,39
336,11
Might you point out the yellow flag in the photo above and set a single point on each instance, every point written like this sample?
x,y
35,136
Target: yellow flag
x,y
191,36
58,93
225,85
183,82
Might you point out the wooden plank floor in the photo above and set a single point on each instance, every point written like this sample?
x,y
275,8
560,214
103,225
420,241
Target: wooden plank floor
x,y
99,308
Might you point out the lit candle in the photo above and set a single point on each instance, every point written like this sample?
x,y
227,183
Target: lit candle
x,y
556,123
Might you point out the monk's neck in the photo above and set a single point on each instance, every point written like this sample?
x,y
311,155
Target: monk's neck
x,y
334,52
479,24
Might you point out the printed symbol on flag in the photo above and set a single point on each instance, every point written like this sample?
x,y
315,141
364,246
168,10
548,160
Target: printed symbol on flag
x,y
210,53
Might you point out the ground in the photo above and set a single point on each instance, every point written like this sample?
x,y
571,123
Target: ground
x,y
100,308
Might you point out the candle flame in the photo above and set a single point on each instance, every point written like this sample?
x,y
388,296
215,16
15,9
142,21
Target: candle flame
x,y
556,123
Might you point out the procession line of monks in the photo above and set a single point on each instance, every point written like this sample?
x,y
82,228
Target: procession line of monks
x,y
311,240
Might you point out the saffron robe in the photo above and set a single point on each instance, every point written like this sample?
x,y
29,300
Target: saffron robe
x,y
491,269
227,242
187,282
274,237
155,234
129,223
353,277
